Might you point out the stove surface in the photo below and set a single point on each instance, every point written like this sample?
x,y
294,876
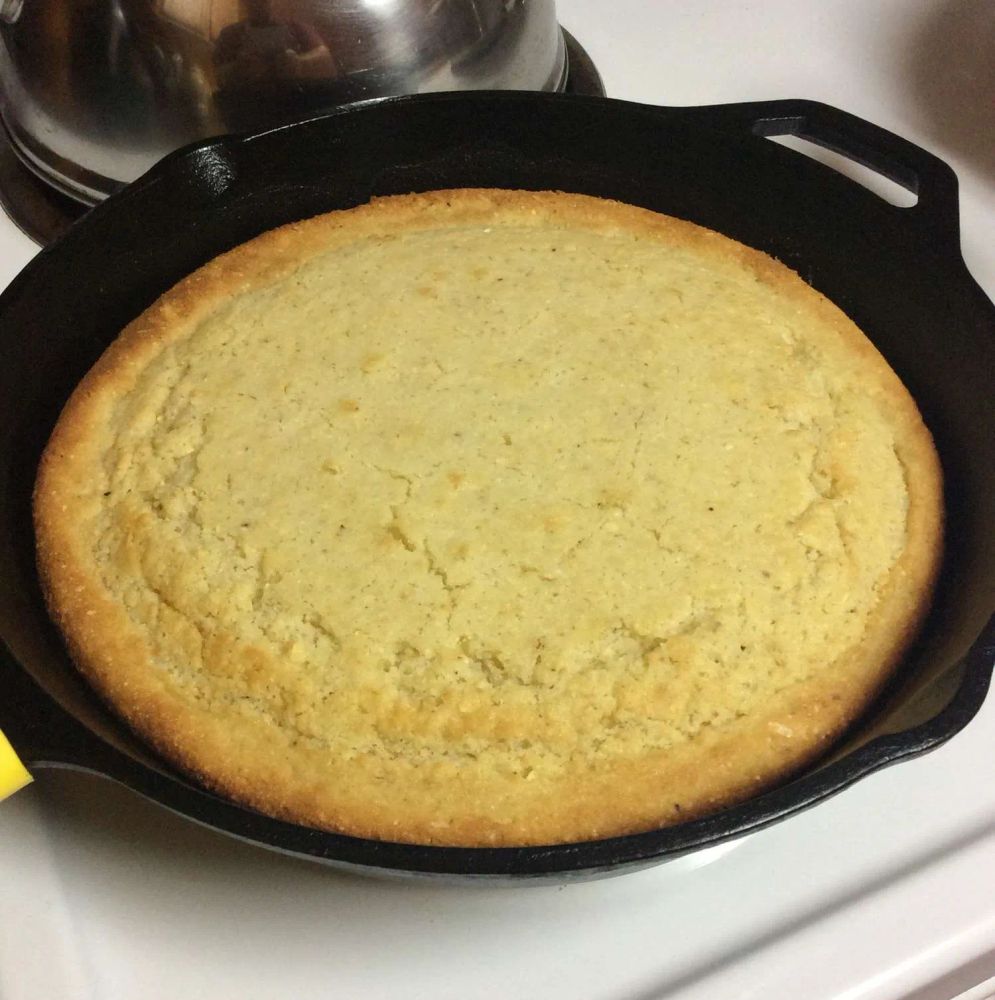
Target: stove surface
x,y
886,891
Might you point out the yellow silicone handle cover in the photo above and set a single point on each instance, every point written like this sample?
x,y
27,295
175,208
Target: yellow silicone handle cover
x,y
13,774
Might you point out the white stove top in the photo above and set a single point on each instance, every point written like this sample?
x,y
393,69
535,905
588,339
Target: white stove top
x,y
885,892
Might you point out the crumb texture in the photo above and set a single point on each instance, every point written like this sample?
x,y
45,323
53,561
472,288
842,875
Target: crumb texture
x,y
469,505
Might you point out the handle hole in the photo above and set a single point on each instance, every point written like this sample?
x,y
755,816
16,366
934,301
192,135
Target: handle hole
x,y
884,187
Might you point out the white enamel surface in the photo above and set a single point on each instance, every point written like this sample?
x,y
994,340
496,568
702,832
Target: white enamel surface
x,y
885,892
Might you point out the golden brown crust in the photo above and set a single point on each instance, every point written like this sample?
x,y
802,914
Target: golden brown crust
x,y
244,755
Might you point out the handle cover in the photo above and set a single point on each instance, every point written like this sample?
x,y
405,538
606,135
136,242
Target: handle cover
x,y
13,774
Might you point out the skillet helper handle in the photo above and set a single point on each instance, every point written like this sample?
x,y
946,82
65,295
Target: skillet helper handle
x,y
936,213
13,774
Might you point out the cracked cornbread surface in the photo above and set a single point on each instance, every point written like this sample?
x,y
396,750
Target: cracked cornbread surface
x,y
486,517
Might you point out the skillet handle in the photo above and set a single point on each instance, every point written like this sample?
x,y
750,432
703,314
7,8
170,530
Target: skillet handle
x,y
36,732
936,212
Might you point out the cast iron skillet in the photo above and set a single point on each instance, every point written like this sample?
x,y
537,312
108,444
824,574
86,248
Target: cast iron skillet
x,y
898,272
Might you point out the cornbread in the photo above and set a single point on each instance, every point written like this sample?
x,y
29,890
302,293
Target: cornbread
x,y
489,518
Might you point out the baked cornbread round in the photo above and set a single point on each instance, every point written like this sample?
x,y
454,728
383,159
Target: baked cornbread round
x,y
489,518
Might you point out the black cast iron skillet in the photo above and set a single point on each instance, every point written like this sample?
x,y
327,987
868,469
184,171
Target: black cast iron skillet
x,y
898,272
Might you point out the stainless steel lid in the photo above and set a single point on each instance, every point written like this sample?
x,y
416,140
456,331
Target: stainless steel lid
x,y
93,92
